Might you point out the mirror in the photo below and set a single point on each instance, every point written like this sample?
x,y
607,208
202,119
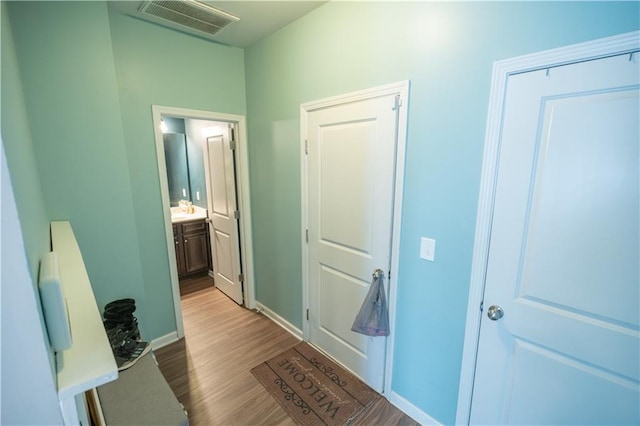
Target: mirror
x,y
184,160
175,154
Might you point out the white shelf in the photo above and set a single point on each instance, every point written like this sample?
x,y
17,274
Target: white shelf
x,y
89,362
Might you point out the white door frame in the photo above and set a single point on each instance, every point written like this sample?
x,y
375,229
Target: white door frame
x,y
244,202
400,89
620,44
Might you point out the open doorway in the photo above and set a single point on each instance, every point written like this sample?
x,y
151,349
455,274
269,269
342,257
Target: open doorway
x,y
203,173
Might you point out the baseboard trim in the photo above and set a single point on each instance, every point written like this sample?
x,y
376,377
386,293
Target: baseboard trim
x,y
165,340
411,410
279,320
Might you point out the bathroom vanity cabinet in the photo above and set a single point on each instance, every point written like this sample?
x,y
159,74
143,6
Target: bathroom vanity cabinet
x,y
193,253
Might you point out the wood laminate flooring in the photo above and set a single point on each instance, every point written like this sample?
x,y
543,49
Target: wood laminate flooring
x,y
209,370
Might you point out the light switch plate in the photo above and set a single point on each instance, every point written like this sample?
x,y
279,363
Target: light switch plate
x,y
427,248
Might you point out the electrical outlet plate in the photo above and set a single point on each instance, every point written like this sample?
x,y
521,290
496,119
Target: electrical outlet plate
x,y
427,248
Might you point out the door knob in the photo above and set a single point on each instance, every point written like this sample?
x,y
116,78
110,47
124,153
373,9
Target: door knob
x,y
495,313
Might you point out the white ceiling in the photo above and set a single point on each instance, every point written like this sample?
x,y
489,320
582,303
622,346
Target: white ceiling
x,y
258,19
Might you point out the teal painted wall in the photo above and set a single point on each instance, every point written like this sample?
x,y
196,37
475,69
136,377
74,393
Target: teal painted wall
x,y
64,50
158,66
25,178
447,50
90,77
174,125
20,151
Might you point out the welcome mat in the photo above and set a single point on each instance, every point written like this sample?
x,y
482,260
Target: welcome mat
x,y
311,388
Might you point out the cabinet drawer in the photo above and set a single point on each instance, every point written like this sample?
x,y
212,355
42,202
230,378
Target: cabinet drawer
x,y
194,227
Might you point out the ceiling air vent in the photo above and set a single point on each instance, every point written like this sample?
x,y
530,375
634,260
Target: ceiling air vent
x,y
191,15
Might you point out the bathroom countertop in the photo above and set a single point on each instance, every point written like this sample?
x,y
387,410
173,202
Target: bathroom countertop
x,y
178,216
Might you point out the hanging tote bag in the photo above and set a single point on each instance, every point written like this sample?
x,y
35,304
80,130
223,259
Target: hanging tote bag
x,y
373,318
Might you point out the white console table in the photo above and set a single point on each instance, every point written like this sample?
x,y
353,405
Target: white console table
x,y
89,362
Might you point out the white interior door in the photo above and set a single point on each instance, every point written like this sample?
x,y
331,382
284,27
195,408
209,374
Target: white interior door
x,y
350,175
223,216
563,263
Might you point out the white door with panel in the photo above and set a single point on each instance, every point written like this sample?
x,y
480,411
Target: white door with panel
x,y
224,215
559,341
350,195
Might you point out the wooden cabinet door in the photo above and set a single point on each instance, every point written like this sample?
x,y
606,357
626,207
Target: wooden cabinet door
x,y
179,248
192,247
195,252
196,246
